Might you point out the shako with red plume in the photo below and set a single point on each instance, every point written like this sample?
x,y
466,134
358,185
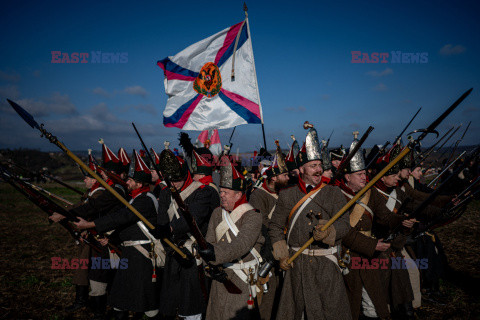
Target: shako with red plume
x,y
110,159
124,160
142,173
200,165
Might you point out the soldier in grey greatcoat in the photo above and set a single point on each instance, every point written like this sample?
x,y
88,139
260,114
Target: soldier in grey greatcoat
x,y
313,284
234,237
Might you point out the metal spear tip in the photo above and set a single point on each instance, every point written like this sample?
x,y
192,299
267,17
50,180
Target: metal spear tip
x,y
27,117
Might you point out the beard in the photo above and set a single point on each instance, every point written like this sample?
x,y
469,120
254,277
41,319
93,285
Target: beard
x,y
279,185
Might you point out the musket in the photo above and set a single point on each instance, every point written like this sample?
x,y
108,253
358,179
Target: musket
x,y
50,194
191,222
458,142
49,207
431,197
406,127
345,162
114,177
230,140
49,177
445,170
328,141
28,118
424,132
379,152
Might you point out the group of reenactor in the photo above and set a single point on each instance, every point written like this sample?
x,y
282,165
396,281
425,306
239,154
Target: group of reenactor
x,y
254,220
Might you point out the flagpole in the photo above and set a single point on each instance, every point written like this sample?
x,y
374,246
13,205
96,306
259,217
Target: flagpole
x,y
245,9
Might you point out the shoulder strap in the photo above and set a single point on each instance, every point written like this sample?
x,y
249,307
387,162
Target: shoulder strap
x,y
310,196
172,209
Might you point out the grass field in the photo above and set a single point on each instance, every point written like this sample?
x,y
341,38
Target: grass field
x,y
30,289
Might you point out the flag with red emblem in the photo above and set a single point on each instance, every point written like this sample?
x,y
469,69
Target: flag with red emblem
x,y
213,83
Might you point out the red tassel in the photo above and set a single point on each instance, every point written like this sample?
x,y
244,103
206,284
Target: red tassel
x,y
250,302
154,276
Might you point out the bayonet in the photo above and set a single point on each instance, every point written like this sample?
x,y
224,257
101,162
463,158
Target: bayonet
x,y
406,127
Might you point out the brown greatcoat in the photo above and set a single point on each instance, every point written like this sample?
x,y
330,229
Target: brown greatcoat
x,y
396,281
362,246
315,284
80,276
264,200
221,304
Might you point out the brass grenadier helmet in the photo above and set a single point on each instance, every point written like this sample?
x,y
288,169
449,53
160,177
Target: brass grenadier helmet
x,y
278,165
384,160
171,166
110,160
357,163
230,178
200,165
124,160
326,163
311,148
290,159
141,173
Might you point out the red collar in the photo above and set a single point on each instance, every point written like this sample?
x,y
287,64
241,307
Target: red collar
x,y
95,186
345,188
158,182
110,182
139,191
206,180
303,186
188,181
325,180
380,185
264,186
242,200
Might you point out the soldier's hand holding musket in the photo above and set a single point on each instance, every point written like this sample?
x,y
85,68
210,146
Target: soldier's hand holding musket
x,y
327,236
84,224
284,264
382,246
408,223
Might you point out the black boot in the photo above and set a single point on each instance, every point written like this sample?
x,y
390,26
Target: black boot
x,y
121,315
99,304
81,299
409,313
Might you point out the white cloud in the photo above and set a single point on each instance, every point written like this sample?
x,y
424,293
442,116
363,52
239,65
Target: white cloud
x,y
55,104
9,77
101,92
375,73
449,50
9,92
136,90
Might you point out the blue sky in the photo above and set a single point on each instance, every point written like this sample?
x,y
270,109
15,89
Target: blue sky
x,y
303,60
